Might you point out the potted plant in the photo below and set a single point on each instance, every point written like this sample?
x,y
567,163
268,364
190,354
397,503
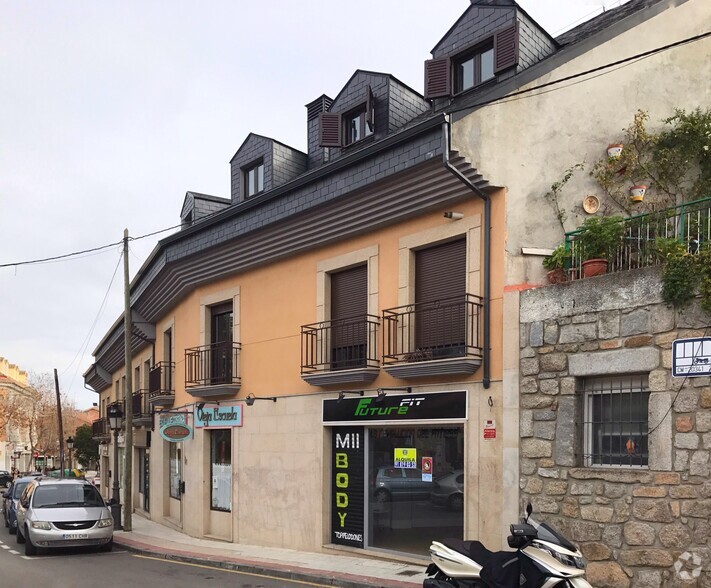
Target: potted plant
x,y
598,239
555,264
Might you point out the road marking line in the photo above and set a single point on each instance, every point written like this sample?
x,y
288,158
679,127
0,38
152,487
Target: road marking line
x,y
27,557
5,546
217,569
14,552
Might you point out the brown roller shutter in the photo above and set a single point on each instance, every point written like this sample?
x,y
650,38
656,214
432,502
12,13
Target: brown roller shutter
x,y
437,78
505,48
330,129
349,306
440,288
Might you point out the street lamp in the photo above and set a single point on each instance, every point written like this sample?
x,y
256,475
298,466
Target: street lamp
x,y
70,446
115,414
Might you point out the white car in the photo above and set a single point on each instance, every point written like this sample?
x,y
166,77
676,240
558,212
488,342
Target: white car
x,y
63,513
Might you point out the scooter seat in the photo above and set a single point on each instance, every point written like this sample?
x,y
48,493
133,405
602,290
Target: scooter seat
x,y
472,549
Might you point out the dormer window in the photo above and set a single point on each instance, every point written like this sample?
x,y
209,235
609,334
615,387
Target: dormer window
x,y
356,125
254,179
473,68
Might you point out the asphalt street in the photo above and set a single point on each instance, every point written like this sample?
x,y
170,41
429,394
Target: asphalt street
x,y
80,568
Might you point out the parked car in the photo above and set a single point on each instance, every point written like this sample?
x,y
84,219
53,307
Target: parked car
x,y
5,478
63,513
448,490
400,484
10,499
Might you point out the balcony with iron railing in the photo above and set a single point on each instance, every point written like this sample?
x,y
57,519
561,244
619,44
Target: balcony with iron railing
x,y
100,430
142,410
688,223
161,391
212,371
342,351
436,338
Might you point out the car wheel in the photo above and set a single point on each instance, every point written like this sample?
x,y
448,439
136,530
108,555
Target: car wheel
x,y
456,502
382,495
20,538
107,546
30,548
7,524
12,530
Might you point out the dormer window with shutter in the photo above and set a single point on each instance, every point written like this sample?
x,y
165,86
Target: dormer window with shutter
x,y
446,76
341,129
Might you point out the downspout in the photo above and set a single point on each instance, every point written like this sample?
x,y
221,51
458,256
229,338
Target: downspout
x,y
486,354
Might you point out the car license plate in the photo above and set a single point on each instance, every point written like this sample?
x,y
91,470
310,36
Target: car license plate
x,y
75,536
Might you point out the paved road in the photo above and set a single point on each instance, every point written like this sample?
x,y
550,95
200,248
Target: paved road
x,y
82,568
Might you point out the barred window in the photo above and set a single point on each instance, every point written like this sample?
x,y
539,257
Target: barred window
x,y
616,422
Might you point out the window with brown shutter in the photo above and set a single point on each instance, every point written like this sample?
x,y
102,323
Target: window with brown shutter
x,y
437,78
440,288
349,327
505,48
330,129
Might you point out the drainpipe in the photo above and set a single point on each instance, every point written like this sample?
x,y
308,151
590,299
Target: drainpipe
x,y
446,144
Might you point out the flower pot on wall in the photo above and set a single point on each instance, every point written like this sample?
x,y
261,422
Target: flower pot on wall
x,y
594,267
614,150
556,276
637,192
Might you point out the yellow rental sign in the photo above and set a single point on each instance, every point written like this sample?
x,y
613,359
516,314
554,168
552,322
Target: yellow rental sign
x,y
405,457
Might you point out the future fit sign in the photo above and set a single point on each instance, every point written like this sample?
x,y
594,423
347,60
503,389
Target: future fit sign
x,y
433,406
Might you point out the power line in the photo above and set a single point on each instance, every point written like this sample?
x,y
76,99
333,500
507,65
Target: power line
x,y
645,54
84,251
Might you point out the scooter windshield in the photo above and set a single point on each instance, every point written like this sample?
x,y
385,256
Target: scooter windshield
x,y
547,533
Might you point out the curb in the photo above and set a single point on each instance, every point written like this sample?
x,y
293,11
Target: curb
x,y
323,577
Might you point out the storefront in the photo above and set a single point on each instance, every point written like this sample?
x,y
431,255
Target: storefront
x,y
397,469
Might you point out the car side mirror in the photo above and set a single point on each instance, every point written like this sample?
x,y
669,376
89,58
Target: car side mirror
x,y
6,495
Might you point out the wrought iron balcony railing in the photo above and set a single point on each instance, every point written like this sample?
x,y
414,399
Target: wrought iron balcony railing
x,y
100,428
688,223
426,331
212,365
342,344
141,406
160,381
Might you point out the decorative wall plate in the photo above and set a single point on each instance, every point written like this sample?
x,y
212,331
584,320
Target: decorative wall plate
x,y
591,204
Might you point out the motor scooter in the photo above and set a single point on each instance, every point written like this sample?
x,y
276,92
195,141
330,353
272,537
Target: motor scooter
x,y
543,559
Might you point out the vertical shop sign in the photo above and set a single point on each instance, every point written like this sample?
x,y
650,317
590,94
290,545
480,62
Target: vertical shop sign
x,y
426,469
348,500
489,429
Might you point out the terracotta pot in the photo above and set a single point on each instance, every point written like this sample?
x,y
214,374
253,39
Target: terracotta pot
x,y
556,276
614,150
594,267
637,192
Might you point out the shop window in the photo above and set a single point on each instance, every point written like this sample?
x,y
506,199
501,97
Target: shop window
x,y
221,469
615,421
409,505
174,456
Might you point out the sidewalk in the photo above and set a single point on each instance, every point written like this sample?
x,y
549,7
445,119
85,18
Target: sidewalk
x,y
346,571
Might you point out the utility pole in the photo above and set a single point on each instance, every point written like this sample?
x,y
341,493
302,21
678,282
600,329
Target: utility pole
x,y
128,420
61,427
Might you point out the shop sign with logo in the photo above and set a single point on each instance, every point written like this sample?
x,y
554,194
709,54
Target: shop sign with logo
x,y
489,429
212,415
174,427
347,486
392,407
426,469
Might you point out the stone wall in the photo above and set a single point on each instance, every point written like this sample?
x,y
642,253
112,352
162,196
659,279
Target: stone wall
x,y
636,526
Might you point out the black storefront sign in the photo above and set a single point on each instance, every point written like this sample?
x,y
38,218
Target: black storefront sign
x,y
347,486
407,407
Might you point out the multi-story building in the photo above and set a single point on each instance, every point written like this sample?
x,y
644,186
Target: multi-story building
x,y
16,399
332,355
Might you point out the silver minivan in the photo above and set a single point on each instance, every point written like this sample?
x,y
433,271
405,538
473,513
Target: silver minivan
x,y
63,513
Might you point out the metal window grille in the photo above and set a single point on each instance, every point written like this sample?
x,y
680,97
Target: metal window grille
x,y
616,421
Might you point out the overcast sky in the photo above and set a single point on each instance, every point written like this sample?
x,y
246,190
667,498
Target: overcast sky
x,y
111,110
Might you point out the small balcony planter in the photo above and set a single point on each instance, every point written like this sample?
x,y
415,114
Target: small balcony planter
x,y
614,150
599,239
637,192
555,264
594,267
